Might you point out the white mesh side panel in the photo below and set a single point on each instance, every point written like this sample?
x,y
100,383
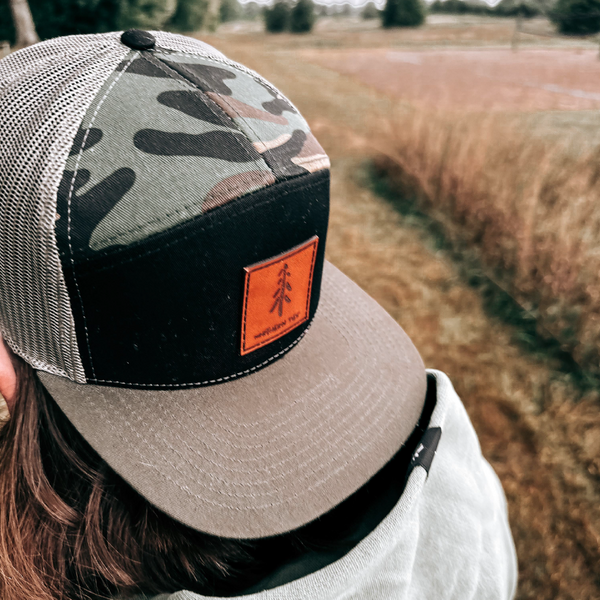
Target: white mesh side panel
x,y
45,91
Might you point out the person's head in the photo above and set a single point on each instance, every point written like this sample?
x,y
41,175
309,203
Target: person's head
x,y
163,215
70,528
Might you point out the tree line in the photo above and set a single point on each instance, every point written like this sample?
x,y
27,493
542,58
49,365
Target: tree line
x,y
571,17
54,18
65,17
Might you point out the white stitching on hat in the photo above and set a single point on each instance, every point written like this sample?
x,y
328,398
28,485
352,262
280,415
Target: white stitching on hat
x,y
87,340
220,379
259,423
339,408
239,67
312,457
373,425
272,438
187,70
370,441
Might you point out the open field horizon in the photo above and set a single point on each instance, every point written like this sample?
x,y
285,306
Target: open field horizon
x,y
539,430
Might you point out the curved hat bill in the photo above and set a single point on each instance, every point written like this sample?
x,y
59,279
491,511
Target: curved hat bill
x,y
269,452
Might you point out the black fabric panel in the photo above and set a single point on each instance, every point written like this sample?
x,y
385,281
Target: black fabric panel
x,y
168,310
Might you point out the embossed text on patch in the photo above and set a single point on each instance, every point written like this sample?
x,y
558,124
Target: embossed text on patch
x,y
277,295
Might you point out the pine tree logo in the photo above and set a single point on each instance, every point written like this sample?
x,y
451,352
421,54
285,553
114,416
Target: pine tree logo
x,y
280,294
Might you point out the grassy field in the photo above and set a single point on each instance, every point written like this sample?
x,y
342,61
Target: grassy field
x,y
504,147
540,431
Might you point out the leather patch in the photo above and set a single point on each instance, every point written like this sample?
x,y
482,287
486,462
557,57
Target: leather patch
x,y
277,295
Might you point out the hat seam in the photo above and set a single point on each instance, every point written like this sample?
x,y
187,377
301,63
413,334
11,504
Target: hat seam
x,y
209,381
217,110
69,199
243,69
210,225
212,105
238,127
186,84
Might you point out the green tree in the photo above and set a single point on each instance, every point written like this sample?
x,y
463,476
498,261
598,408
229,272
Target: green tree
x,y
370,11
66,17
577,17
302,16
403,13
277,17
229,10
189,15
144,14
7,28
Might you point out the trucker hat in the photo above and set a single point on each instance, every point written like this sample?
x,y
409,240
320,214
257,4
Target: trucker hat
x,y
163,221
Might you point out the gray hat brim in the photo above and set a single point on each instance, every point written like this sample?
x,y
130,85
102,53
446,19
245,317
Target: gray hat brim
x,y
271,451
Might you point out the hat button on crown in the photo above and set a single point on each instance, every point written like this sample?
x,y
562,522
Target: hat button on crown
x,y
136,39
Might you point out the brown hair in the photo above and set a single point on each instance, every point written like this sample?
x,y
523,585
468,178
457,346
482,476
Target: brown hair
x,y
71,529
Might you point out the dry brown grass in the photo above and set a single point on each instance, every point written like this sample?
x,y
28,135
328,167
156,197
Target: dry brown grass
x,y
525,196
528,205
540,436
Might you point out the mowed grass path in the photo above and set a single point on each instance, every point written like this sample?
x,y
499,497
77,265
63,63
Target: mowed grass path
x,y
539,432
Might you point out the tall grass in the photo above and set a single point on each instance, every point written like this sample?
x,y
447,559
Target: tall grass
x,y
530,205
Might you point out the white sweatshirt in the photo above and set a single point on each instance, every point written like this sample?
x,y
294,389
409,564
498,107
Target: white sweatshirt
x,y
446,538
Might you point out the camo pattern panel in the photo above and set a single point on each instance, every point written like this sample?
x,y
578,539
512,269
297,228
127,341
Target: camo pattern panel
x,y
273,125
153,151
